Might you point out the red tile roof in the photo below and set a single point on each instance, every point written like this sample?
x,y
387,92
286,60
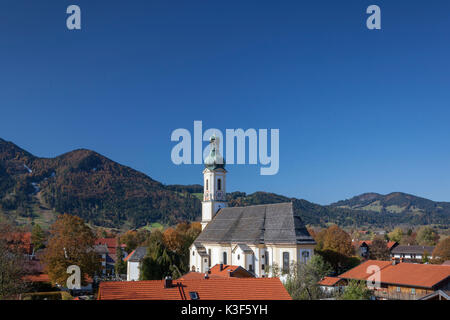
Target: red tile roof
x,y
360,272
415,275
389,244
111,243
329,281
404,274
207,289
128,256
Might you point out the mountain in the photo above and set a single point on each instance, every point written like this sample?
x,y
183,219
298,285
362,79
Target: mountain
x,y
395,202
87,184
106,193
343,215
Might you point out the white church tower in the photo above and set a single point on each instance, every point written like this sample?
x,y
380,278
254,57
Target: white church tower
x,y
214,182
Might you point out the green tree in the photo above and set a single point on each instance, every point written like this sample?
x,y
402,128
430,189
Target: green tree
x,y
302,284
120,266
396,235
38,237
426,236
355,290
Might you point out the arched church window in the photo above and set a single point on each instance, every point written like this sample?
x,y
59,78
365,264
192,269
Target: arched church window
x,y
219,184
224,258
207,185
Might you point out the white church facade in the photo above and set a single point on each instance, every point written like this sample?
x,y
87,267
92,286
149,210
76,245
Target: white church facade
x,y
263,239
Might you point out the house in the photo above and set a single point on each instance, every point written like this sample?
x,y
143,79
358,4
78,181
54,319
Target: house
x,y
412,253
259,238
195,289
220,271
400,280
362,248
106,248
332,285
437,295
134,260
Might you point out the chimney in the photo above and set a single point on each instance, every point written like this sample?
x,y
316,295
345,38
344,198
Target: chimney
x,y
168,282
221,266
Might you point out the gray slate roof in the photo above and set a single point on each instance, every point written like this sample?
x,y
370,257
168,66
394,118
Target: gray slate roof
x,y
412,249
138,254
268,223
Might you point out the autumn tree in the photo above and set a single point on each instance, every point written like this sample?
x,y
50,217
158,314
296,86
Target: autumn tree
x,y
335,246
396,235
168,252
338,240
441,252
133,239
71,242
12,264
426,236
378,249
409,239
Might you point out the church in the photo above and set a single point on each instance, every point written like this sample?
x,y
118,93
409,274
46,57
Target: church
x,y
263,239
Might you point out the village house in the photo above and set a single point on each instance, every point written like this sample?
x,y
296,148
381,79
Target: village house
x,y
259,238
106,248
401,280
195,289
134,261
332,285
412,252
362,248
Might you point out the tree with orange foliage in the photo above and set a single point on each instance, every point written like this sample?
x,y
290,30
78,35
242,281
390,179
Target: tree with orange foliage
x,y
441,252
338,240
71,242
335,246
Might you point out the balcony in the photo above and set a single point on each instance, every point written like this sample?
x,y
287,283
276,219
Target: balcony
x,y
392,295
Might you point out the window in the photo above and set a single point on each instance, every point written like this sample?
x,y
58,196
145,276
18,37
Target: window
x,y
193,295
250,267
413,291
266,258
209,260
398,289
224,258
286,262
239,256
207,188
305,256
219,184
193,252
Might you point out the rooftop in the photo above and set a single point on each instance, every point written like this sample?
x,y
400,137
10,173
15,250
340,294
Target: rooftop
x,y
206,289
268,223
403,274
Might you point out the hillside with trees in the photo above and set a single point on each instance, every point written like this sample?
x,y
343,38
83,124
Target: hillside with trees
x,y
108,194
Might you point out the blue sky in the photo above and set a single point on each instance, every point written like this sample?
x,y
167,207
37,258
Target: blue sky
x,y
358,110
